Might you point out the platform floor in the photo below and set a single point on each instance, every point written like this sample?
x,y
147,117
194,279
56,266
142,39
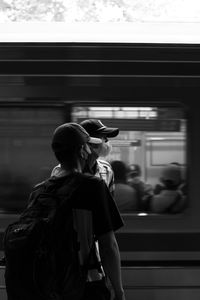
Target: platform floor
x,y
152,283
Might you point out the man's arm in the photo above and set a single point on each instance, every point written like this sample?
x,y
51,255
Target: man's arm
x,y
110,257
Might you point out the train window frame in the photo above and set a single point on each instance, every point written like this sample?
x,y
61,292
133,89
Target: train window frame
x,y
171,105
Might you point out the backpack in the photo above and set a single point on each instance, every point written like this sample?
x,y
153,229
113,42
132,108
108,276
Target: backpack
x,y
41,247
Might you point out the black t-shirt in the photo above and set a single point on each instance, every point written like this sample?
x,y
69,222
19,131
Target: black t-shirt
x,y
92,194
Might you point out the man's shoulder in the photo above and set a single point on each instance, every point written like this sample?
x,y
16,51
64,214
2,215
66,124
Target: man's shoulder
x,y
91,185
89,178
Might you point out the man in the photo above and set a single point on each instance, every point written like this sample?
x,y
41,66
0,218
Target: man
x,y
95,165
144,191
125,195
169,198
92,204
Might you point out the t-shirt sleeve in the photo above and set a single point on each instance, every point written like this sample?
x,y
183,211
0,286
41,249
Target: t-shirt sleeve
x,y
106,216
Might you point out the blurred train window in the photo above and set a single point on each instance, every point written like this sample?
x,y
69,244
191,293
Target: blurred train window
x,y
152,145
25,153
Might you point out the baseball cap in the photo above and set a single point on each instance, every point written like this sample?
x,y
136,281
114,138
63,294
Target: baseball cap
x,y
134,169
96,128
69,136
171,172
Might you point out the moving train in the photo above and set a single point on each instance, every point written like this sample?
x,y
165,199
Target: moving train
x,y
150,92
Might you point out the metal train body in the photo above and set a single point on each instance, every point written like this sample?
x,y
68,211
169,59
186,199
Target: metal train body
x,y
44,84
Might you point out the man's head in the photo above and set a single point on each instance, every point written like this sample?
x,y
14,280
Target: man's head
x,y
171,175
120,171
133,170
69,143
97,129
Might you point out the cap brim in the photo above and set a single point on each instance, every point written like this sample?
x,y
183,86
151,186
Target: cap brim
x,y
110,132
93,140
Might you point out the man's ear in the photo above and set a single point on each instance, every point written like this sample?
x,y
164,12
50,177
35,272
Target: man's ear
x,y
83,153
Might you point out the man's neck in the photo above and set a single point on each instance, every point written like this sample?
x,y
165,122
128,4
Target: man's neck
x,y
71,170
91,169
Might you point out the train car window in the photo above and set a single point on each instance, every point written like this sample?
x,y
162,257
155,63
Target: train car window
x,y
25,155
148,156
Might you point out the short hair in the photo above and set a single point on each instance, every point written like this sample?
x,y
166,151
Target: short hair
x,y
134,170
171,175
120,170
69,157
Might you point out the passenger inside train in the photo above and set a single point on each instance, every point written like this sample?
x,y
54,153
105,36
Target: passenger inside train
x,y
168,196
143,190
125,195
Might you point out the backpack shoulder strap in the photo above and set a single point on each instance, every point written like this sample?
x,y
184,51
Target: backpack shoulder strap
x,y
68,186
59,186
63,187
